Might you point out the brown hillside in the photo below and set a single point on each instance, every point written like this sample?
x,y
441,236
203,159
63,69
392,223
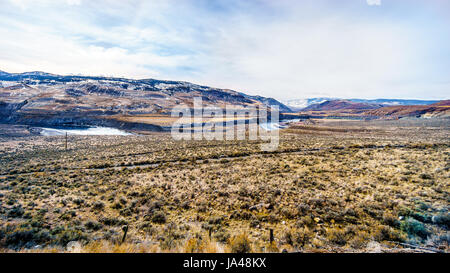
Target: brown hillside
x,y
439,109
341,105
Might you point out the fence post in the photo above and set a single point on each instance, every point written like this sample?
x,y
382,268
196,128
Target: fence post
x,y
271,235
125,230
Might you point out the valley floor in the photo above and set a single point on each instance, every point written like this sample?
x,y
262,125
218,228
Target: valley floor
x,y
330,187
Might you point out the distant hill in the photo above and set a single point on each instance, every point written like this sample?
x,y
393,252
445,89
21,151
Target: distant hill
x,y
379,108
334,105
392,102
439,109
300,104
442,103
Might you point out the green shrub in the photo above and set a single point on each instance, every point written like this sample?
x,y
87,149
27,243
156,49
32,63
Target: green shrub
x,y
98,205
116,205
16,211
386,233
68,235
18,236
337,236
78,201
442,220
112,221
425,176
222,236
421,217
159,217
414,228
93,225
391,220
215,220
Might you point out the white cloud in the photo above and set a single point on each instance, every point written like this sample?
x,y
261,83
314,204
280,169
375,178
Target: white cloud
x,y
74,2
19,3
312,58
373,2
25,4
284,49
35,48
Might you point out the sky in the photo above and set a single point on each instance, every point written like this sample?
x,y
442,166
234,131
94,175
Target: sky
x,y
285,49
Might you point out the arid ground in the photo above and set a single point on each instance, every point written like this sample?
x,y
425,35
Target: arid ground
x,y
335,186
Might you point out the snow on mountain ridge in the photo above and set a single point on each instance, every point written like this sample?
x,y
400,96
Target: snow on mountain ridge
x,y
299,104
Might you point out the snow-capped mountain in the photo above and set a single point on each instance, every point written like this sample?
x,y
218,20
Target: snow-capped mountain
x,y
299,104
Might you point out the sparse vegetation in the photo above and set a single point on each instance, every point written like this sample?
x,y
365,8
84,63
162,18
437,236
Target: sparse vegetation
x,y
328,191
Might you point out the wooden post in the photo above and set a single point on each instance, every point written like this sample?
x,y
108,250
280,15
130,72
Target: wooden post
x,y
125,230
271,235
66,141
210,231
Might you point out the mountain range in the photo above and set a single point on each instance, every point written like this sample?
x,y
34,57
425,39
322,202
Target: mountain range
x,y
49,100
439,109
44,99
347,108
300,104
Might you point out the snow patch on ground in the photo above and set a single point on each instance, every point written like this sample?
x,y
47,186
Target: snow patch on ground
x,y
93,131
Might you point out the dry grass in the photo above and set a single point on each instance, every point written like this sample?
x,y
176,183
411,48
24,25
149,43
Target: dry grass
x,y
338,191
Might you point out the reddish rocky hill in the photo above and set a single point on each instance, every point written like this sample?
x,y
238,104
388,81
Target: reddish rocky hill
x,y
334,105
439,109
